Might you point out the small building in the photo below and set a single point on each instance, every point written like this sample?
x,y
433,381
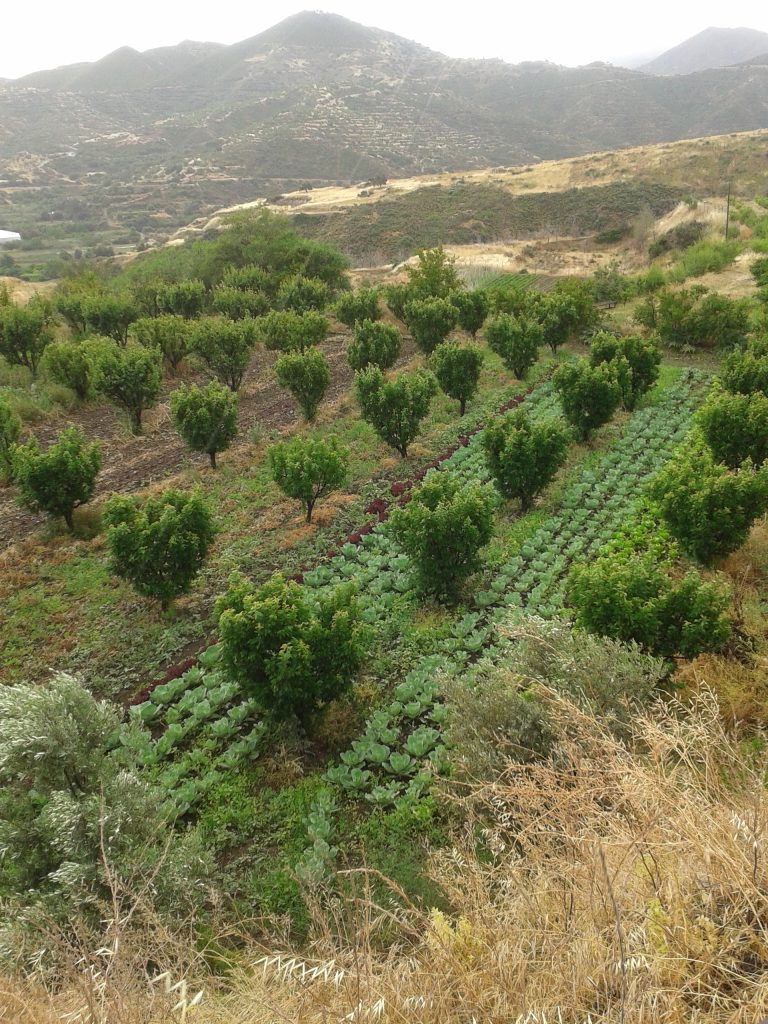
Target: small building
x,y
9,236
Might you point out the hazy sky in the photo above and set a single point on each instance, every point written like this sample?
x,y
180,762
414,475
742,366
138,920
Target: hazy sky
x,y
48,33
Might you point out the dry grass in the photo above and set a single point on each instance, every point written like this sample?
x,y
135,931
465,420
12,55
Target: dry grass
x,y
604,885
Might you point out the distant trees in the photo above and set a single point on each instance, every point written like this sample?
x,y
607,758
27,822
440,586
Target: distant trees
x,y
374,344
524,456
307,376
516,340
25,333
395,407
60,479
224,346
159,545
457,371
690,318
131,378
442,529
206,418
588,394
308,469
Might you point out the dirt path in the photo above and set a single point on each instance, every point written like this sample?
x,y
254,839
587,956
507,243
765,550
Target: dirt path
x,y
130,463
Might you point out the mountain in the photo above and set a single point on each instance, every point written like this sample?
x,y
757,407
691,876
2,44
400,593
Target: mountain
x,y
712,48
136,144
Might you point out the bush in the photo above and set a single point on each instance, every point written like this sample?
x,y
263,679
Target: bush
x,y
704,257
205,418
159,545
442,529
472,309
516,340
610,285
302,294
735,427
690,318
355,307
430,321
457,371
524,456
224,346
10,429
308,469
681,236
167,333
291,651
746,372
637,362
71,364
708,509
60,479
396,407
631,593
374,344
588,394
130,377
25,333
287,331
307,376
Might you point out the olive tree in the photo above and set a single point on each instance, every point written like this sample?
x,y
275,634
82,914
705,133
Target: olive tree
x,y
395,407
206,418
59,479
308,469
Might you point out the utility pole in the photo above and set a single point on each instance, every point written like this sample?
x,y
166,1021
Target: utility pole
x,y
727,211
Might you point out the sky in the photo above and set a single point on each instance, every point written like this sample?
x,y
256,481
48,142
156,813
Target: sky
x,y
49,33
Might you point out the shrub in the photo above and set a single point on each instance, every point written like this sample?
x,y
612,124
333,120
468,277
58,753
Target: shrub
x,y
307,376
523,456
457,371
707,508
224,346
746,373
71,364
238,303
396,407
637,362
355,307
10,429
205,418
109,315
287,331
690,318
735,428
516,340
442,529
472,309
588,394
374,344
302,294
308,469
25,333
759,271
681,236
60,479
291,651
159,545
168,333
430,321
610,285
705,257
631,594
130,377
720,322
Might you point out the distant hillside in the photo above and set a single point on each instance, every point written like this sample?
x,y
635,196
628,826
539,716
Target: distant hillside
x,y
712,48
127,149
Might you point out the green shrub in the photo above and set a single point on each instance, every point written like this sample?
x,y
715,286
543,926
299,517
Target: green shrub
x,y
588,394
397,297
708,509
374,344
302,294
10,429
735,427
681,236
224,346
746,372
457,371
442,529
308,469
355,307
205,418
395,407
434,275
288,331
291,651
430,321
70,364
637,362
60,479
524,456
187,299
131,378
516,340
159,545
307,376
705,257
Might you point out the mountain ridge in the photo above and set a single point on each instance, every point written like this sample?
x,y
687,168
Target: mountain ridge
x,y
711,48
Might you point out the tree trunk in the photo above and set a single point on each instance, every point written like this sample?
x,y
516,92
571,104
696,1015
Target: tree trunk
x,y
136,420
68,514
462,406
310,507
212,457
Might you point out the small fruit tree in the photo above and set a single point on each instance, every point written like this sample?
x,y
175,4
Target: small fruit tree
x,y
516,340
307,376
395,407
430,321
206,418
636,359
457,371
308,469
374,344
588,394
159,545
224,346
290,650
130,377
524,456
735,427
60,479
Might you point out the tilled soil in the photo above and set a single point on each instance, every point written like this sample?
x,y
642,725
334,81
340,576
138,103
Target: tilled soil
x,y
130,463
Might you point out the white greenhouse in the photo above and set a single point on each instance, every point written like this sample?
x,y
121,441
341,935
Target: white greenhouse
x,y
9,236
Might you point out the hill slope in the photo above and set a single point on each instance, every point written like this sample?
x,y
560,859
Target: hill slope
x,y
712,48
